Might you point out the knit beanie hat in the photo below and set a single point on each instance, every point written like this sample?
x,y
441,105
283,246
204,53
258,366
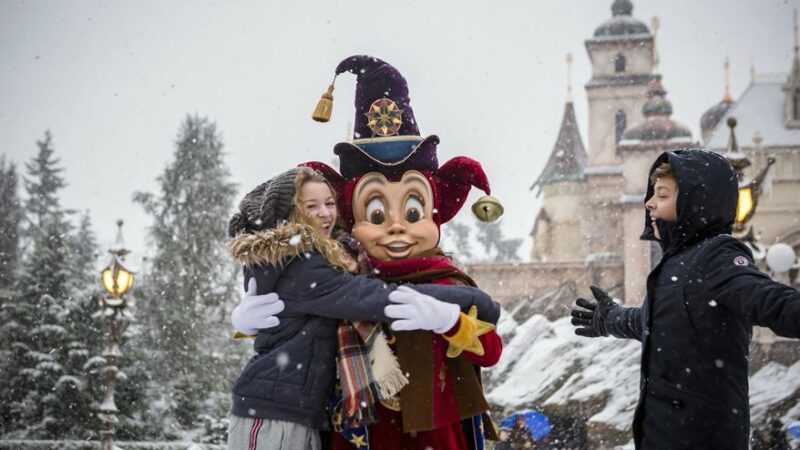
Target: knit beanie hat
x,y
266,206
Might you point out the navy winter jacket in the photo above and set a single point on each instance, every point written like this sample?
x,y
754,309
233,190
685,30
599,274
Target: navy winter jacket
x,y
696,322
292,375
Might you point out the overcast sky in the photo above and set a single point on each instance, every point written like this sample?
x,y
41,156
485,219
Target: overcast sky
x,y
113,81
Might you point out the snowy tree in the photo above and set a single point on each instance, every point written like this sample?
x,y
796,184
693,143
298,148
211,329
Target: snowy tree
x,y
190,288
11,311
499,249
34,314
10,221
42,185
80,388
458,234
47,331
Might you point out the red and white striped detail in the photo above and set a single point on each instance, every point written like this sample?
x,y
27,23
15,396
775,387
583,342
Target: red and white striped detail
x,y
254,433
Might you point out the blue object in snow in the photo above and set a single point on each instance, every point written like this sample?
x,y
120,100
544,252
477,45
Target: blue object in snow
x,y
794,429
536,422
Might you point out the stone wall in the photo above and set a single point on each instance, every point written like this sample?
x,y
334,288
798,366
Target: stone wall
x,y
551,288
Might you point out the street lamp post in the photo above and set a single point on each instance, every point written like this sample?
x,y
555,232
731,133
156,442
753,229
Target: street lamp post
x,y
118,281
749,190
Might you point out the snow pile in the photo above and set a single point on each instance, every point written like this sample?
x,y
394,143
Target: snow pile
x,y
545,363
775,384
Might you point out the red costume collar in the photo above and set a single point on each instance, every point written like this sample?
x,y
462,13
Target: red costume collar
x,y
420,270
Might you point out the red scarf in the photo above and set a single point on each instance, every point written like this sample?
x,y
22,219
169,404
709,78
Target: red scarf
x,y
436,268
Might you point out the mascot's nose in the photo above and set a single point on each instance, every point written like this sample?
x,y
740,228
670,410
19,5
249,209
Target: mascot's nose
x,y
396,228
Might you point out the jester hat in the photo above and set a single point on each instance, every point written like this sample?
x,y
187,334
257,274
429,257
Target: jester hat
x,y
386,140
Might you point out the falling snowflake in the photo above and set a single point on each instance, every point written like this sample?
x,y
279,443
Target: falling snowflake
x,y
282,360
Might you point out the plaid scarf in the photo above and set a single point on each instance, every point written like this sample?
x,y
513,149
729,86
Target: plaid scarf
x,y
368,369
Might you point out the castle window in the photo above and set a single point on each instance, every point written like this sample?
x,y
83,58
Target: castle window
x,y
621,122
619,63
796,105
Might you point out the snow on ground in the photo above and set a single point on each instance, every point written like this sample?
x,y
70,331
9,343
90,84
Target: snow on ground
x,y
772,384
545,363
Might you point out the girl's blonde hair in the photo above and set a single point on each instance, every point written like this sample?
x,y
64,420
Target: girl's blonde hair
x,y
333,251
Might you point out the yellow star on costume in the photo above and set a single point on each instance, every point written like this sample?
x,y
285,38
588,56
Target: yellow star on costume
x,y
466,338
358,441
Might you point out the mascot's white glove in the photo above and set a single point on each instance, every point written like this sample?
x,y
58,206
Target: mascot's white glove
x,y
415,311
256,312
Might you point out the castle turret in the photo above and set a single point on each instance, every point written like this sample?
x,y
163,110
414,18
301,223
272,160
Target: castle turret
x,y
557,230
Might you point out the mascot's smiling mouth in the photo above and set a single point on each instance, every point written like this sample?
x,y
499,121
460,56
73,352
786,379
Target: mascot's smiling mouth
x,y
397,247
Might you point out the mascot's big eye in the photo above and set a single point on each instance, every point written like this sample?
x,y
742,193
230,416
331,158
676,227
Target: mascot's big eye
x,y
414,210
376,211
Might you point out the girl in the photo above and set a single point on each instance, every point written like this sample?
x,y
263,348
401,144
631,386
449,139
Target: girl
x,y
282,237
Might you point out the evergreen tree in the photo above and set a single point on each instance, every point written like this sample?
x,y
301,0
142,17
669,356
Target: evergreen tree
x,y
459,234
48,333
190,289
38,307
10,221
10,218
80,388
42,185
490,236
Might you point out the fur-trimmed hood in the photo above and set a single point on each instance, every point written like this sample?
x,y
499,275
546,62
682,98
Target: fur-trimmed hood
x,y
274,245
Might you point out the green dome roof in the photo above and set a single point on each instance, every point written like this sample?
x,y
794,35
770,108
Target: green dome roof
x,y
622,23
657,125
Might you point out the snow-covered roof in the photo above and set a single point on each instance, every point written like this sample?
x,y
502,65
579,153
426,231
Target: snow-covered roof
x,y
759,109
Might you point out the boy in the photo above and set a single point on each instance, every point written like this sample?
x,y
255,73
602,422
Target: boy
x,y
696,322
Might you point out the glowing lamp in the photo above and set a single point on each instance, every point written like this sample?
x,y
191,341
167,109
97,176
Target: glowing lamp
x,y
746,204
117,279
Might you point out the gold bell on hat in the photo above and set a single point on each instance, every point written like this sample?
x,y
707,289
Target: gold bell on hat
x,y
322,113
487,209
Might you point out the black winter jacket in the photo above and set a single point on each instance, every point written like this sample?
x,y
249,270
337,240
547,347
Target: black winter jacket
x,y
291,376
696,321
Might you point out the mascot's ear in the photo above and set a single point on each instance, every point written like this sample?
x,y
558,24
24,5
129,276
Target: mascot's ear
x,y
330,174
454,180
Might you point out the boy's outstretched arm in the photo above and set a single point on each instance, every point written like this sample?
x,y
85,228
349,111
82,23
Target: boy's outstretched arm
x,y
735,283
603,317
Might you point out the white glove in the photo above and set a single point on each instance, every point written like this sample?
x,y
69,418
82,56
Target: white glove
x,y
256,312
416,311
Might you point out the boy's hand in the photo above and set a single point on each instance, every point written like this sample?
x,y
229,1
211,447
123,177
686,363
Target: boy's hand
x,y
591,319
256,312
416,311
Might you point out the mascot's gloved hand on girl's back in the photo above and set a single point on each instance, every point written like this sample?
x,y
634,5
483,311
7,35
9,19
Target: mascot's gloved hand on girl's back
x,y
413,311
416,311
256,312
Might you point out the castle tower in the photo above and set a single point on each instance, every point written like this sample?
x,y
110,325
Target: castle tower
x,y
622,57
623,62
557,230
639,147
791,104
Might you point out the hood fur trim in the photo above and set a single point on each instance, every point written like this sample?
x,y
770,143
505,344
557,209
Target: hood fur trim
x,y
274,245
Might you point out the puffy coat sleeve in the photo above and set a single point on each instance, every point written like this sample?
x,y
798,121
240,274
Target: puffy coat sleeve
x,y
311,286
735,283
625,323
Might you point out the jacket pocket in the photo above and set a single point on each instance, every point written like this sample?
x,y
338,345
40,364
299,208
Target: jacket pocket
x,y
675,414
